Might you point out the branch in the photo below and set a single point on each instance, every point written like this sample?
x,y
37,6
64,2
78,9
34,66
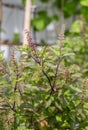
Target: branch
x,y
61,38
49,81
46,75
56,73
7,101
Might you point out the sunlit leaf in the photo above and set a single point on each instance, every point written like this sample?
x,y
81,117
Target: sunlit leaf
x,y
77,26
84,2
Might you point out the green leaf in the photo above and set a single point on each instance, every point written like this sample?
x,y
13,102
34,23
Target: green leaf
x,y
55,50
71,6
16,38
48,103
83,11
59,118
76,26
86,105
84,2
41,21
76,89
69,54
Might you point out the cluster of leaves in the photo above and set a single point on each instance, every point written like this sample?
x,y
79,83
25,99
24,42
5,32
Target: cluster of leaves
x,y
69,7
47,89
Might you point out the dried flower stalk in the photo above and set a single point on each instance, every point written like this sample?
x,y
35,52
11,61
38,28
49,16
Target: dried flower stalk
x,y
32,45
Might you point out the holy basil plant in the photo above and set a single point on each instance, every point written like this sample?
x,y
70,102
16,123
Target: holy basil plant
x,y
48,88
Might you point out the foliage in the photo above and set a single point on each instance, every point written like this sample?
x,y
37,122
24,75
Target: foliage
x,y
40,22
47,89
70,8
16,38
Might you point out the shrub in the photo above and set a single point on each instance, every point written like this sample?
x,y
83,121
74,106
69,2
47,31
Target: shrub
x,y
47,89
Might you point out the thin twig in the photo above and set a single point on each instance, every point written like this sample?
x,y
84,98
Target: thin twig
x,y
43,71
46,75
56,73
7,101
61,38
